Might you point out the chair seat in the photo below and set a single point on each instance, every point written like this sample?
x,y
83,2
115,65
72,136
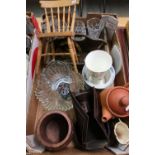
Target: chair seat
x,y
56,34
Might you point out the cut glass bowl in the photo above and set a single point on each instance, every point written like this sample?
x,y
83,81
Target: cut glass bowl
x,y
54,86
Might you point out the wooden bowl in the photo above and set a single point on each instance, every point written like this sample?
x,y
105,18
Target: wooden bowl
x,y
54,130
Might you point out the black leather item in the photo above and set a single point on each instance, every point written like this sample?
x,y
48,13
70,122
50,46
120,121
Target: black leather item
x,y
90,132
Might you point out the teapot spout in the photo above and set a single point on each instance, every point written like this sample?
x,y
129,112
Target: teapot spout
x,y
106,115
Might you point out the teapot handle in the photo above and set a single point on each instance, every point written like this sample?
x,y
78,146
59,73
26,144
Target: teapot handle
x,y
126,85
127,108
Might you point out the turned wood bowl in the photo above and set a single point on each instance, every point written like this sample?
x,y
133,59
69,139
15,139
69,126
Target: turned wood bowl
x,y
54,130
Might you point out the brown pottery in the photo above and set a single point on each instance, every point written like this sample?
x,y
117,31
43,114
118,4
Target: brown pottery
x,y
54,130
115,102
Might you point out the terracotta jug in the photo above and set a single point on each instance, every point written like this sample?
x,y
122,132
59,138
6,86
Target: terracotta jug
x,y
115,102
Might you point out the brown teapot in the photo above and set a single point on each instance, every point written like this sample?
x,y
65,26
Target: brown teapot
x,y
115,102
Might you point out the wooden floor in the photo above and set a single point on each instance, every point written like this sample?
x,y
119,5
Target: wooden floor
x,y
74,151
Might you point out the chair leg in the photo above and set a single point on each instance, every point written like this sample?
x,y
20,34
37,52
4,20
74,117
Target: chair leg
x,y
74,50
53,49
46,50
39,58
72,54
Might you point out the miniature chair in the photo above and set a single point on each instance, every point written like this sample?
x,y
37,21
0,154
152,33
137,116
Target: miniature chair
x,y
59,23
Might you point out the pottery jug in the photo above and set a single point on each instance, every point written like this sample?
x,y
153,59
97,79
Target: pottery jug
x,y
115,102
54,130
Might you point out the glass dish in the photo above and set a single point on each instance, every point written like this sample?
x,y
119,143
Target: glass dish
x,y
54,86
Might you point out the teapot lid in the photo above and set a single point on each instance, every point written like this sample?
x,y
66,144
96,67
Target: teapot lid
x,y
118,101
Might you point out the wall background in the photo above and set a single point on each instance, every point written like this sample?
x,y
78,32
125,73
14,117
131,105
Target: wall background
x,y
120,7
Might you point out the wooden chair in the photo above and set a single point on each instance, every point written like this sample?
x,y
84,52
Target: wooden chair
x,y
62,12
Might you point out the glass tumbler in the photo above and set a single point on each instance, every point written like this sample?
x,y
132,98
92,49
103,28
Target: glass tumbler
x,y
94,28
79,29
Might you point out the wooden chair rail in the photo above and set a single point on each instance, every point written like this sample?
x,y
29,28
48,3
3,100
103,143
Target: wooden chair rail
x,y
59,3
55,54
55,34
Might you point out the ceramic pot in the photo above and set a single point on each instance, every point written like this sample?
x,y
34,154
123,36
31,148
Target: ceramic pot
x,y
54,130
115,102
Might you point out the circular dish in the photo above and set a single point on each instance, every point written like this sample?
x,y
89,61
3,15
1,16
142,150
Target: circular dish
x,y
117,59
54,86
106,82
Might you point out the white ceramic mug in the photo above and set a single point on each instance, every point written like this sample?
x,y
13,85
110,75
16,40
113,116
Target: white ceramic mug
x,y
97,63
121,132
